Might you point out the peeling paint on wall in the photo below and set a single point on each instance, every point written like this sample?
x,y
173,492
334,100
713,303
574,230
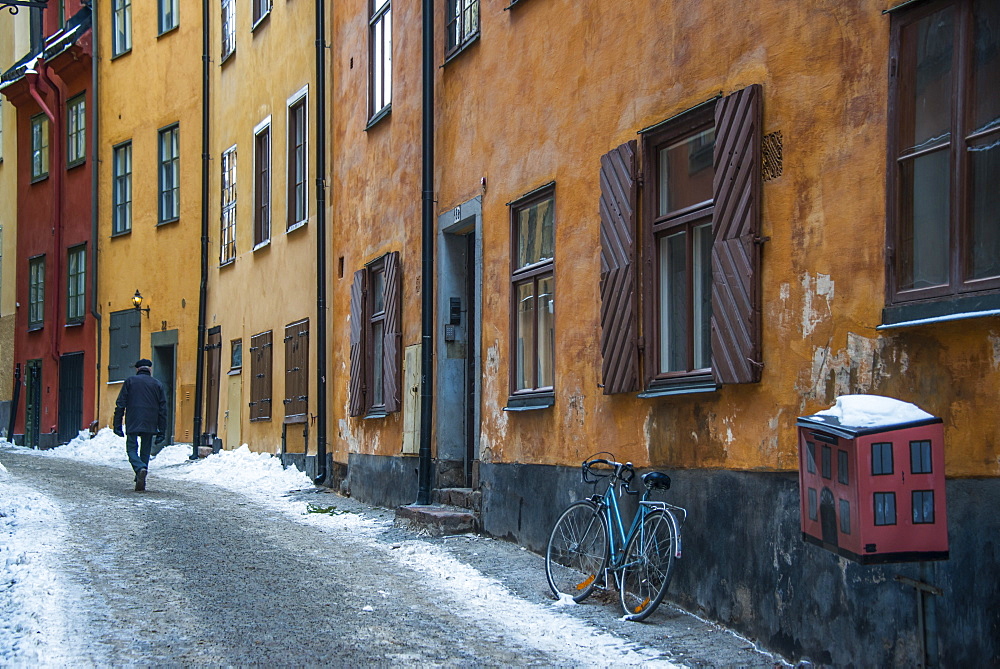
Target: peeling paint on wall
x,y
817,298
855,369
494,428
995,340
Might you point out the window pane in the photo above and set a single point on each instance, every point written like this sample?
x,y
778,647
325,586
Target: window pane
x,y
686,172
927,93
546,332
845,516
236,355
535,233
387,59
673,303
378,398
378,292
376,92
984,238
524,376
985,94
925,203
703,296
810,457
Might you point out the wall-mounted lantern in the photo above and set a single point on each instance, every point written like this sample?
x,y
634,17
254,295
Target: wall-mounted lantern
x,y
137,302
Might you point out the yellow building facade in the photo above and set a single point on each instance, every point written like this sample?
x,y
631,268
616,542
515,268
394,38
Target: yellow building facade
x,y
149,116
262,310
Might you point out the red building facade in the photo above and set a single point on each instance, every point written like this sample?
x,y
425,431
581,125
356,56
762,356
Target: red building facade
x,y
54,342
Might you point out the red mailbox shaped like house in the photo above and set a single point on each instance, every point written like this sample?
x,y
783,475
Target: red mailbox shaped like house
x,y
871,481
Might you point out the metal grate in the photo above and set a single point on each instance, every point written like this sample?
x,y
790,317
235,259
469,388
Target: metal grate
x,y
771,163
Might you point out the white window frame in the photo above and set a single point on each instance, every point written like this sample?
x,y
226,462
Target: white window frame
x,y
168,10
121,178
168,172
380,63
227,221
121,27
76,130
300,95
264,7
258,129
228,27
39,148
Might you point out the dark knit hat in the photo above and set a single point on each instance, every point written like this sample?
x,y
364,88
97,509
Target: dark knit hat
x,y
144,363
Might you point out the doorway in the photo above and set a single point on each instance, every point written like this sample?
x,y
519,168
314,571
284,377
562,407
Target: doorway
x,y
165,371
214,368
32,403
70,396
458,356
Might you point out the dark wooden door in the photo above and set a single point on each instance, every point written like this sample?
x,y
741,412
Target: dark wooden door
x,y
32,403
214,351
70,396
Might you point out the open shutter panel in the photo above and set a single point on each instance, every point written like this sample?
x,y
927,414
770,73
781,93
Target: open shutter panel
x,y
620,365
356,400
736,253
392,355
266,385
291,373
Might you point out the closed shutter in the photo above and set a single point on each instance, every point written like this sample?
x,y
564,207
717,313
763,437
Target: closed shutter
x,y
620,364
392,354
266,354
124,339
356,399
736,305
255,376
296,368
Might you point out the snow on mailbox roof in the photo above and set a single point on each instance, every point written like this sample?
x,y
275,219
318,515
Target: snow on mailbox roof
x,y
869,413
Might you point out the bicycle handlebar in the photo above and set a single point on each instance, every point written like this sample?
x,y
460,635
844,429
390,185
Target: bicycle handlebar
x,y
623,472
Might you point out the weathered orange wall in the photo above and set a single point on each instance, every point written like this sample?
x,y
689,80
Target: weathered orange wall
x,y
551,86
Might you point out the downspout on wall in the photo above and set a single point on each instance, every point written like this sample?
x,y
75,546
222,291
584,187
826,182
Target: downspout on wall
x,y
427,262
321,311
199,390
95,118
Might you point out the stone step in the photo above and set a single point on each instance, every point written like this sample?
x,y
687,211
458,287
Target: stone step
x,y
465,498
436,520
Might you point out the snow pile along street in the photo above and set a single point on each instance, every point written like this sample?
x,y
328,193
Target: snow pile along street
x,y
32,522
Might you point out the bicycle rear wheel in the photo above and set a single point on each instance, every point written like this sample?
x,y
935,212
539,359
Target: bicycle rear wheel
x,y
577,552
649,564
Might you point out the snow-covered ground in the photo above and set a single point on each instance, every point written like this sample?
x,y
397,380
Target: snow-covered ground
x,y
31,529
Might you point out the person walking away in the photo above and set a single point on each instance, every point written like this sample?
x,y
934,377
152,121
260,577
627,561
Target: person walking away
x,y
142,402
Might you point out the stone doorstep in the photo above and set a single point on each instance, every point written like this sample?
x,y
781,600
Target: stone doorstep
x,y
436,520
466,498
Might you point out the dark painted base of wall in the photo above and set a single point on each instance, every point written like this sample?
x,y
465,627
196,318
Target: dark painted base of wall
x,y
746,566
46,440
386,481
308,464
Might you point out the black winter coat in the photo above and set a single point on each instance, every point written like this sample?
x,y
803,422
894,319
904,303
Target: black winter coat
x,y
142,401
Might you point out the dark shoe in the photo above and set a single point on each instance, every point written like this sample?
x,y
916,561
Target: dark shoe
x,y
140,480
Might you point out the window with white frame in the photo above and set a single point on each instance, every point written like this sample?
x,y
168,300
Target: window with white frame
x,y
227,250
169,17
380,58
298,136
36,292
76,130
121,27
228,28
121,193
261,8
170,180
1,129
262,183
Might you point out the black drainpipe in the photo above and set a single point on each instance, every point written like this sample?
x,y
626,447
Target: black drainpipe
x,y
321,473
95,173
427,264
203,287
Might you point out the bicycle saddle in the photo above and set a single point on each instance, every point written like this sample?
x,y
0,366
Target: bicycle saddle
x,y
656,481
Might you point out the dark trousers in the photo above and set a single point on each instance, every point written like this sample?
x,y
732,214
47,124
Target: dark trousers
x,y
138,456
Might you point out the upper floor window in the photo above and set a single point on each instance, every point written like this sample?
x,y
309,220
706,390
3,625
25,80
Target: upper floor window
x,y
236,354
694,251
461,25
944,155
228,28
76,130
380,57
227,250
1,128
298,169
121,27
262,183
261,8
533,293
169,17
39,147
121,188
36,292
77,282
170,184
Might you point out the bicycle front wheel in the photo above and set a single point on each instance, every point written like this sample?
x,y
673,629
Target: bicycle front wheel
x,y
577,552
649,564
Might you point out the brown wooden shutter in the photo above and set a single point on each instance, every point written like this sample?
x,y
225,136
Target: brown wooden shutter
x,y
392,354
620,365
267,350
257,376
736,305
356,399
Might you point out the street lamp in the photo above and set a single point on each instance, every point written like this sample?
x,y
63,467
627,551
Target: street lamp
x,y
137,302
13,6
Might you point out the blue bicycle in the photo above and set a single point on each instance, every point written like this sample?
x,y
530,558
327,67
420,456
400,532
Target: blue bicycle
x,y
589,544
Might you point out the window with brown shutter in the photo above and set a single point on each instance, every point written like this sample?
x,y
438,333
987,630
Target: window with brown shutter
x,y
260,371
376,338
296,369
700,247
